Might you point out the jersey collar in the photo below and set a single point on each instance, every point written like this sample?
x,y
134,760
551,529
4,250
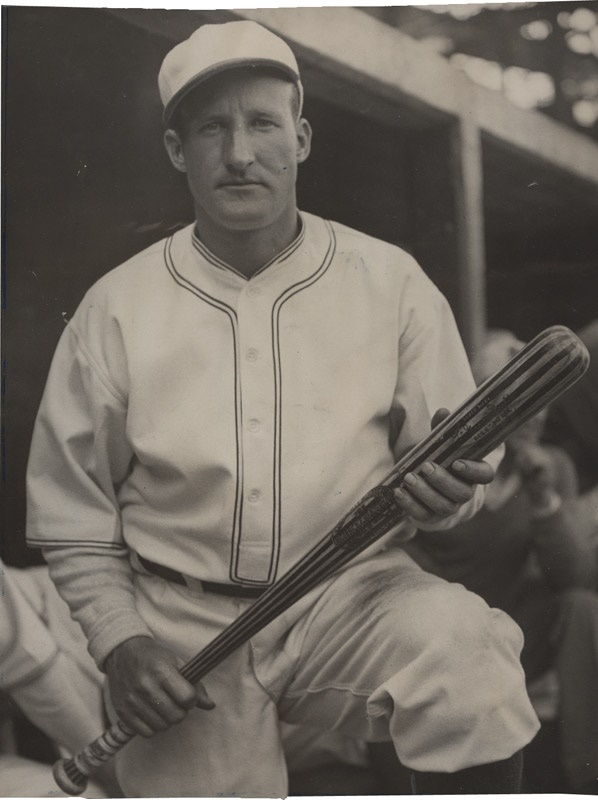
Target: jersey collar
x,y
284,254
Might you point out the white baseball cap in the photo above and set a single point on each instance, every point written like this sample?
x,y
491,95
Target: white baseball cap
x,y
214,48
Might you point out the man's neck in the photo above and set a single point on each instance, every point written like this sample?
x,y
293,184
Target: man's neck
x,y
248,251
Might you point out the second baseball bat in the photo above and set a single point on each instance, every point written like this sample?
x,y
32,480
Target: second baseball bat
x,y
536,375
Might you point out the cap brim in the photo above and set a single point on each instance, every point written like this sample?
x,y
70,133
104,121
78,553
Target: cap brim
x,y
216,69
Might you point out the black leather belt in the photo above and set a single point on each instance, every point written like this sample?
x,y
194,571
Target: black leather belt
x,y
228,589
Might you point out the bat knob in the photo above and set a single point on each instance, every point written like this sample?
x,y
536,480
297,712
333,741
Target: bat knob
x,y
68,777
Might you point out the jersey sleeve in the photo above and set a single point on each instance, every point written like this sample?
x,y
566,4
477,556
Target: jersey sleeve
x,y
79,458
79,453
433,373
97,586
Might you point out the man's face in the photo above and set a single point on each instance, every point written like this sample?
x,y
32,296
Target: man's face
x,y
240,147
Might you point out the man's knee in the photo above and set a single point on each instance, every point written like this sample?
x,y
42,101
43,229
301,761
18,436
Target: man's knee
x,y
453,625
460,698
454,652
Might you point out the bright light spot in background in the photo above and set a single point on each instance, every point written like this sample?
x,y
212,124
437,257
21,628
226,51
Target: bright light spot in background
x,y
468,10
522,87
537,31
484,73
585,112
525,88
465,11
579,42
582,30
457,11
442,45
582,20
528,89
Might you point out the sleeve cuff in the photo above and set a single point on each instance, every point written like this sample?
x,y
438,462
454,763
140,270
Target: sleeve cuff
x,y
115,629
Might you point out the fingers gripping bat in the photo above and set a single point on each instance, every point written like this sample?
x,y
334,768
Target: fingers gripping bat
x,y
536,375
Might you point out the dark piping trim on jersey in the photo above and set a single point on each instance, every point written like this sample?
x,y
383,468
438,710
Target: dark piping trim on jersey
x,y
74,543
290,292
286,295
232,316
218,262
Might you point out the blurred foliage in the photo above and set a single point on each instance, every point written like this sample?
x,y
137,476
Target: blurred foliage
x,y
540,55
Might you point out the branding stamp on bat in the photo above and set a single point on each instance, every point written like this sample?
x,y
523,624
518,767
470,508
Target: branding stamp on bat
x,y
361,521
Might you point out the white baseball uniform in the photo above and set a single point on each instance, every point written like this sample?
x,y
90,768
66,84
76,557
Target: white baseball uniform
x,y
221,426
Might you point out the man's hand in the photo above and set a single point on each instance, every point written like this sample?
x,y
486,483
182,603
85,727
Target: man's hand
x,y
147,689
434,493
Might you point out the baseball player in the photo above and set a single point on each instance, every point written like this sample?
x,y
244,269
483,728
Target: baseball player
x,y
213,408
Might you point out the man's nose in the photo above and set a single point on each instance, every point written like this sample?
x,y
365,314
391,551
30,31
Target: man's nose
x,y
239,149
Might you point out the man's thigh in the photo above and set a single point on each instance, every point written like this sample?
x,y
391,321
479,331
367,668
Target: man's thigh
x,y
389,651
232,750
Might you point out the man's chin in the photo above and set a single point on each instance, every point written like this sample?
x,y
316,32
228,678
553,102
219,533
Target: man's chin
x,y
245,218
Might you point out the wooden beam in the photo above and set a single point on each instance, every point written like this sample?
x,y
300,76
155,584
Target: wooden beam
x,y
471,261
364,53
395,65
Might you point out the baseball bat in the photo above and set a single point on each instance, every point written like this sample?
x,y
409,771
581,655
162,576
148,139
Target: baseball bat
x,y
535,376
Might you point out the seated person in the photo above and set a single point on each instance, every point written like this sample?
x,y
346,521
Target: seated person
x,y
573,418
528,552
572,424
47,672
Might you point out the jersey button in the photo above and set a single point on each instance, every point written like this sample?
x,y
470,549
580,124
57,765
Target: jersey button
x,y
253,425
251,354
254,496
254,291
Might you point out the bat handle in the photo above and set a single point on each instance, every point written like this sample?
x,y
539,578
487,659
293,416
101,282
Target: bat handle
x,y
71,773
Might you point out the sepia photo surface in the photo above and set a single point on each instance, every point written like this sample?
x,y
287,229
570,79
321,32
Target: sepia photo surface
x,y
459,141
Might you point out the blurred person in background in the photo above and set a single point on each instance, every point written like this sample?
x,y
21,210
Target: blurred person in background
x,y
572,421
529,552
47,673
572,424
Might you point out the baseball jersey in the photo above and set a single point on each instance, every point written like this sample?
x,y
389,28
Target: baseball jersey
x,y
221,426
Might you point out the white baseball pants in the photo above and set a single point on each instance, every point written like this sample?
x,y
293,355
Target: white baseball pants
x,y
382,651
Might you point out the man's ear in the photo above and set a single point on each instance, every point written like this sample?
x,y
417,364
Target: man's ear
x,y
304,134
174,148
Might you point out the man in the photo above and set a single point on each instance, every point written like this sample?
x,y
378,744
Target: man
x,y
214,407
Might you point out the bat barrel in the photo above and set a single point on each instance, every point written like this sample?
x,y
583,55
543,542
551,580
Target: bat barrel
x,y
541,371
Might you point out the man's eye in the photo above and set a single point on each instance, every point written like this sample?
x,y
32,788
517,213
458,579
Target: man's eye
x,y
214,126
263,123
